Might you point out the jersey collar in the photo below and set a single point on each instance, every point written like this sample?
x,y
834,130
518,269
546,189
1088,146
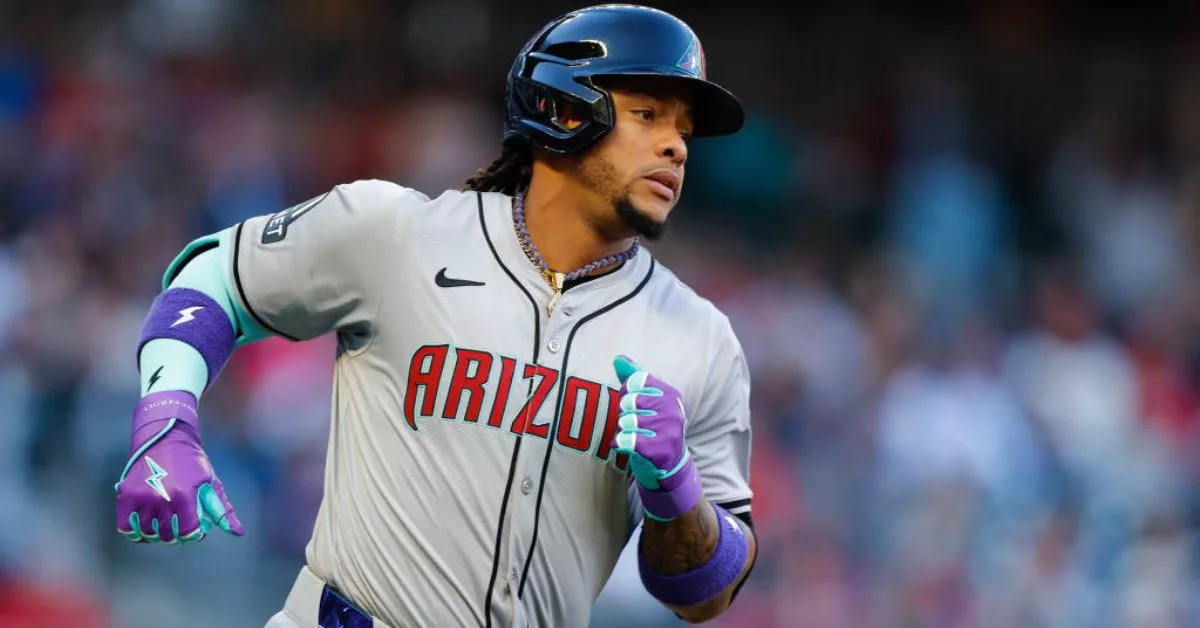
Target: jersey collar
x,y
498,214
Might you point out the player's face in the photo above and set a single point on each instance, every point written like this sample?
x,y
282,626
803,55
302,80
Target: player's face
x,y
638,168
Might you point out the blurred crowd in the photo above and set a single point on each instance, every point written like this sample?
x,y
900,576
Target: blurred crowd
x,y
960,247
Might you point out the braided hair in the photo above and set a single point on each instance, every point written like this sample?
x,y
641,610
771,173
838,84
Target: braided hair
x,y
509,173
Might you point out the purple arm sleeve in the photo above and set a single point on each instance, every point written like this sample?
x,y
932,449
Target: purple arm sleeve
x,y
192,317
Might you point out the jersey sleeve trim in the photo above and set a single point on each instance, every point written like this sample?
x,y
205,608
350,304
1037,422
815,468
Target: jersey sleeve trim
x,y
237,281
736,506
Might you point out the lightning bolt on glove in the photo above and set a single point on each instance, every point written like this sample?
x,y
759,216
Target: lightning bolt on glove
x,y
651,431
168,492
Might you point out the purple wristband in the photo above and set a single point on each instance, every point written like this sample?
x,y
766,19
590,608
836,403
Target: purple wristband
x,y
192,317
675,495
704,582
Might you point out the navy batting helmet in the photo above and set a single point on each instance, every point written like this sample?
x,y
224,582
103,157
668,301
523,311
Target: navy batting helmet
x,y
560,63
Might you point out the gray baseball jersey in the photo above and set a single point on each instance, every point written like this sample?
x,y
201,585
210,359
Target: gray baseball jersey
x,y
470,477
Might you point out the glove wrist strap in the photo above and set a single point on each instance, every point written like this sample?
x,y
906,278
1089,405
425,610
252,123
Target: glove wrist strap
x,y
175,409
168,404
676,494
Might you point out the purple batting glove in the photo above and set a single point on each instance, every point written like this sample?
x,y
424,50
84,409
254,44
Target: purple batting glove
x,y
651,430
168,492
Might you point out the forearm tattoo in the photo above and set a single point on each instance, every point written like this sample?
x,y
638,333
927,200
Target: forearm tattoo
x,y
683,544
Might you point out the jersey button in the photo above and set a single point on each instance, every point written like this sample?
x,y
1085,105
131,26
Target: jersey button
x,y
527,485
554,345
513,574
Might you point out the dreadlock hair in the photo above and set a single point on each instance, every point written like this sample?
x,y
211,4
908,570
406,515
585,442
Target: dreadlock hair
x,y
509,173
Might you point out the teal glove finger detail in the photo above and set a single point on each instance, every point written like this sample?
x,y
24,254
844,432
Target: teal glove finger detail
x,y
213,508
135,524
626,442
628,405
174,542
637,383
629,423
625,368
195,536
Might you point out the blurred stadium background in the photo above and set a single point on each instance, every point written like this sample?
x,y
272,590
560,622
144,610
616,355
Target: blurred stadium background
x,y
959,241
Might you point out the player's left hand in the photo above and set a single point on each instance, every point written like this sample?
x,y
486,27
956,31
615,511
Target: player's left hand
x,y
651,425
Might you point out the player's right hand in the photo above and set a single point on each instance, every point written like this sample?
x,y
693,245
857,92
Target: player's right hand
x,y
168,492
652,425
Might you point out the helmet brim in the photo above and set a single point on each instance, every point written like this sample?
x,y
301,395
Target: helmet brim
x,y
715,110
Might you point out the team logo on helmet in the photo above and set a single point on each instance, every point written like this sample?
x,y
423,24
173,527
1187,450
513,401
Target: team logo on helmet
x,y
692,60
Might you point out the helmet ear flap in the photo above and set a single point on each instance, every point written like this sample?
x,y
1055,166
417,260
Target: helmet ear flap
x,y
561,121
554,106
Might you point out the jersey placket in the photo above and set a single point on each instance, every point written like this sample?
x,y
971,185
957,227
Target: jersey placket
x,y
516,536
528,479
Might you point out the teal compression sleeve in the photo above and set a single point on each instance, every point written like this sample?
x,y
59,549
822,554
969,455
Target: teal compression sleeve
x,y
174,364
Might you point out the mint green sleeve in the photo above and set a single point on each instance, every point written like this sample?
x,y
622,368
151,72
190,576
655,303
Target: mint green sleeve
x,y
169,364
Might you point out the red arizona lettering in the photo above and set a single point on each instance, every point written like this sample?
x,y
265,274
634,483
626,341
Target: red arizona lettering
x,y
610,430
566,420
462,382
426,379
507,366
546,380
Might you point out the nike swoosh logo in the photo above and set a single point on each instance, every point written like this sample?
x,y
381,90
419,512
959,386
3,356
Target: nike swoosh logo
x,y
448,282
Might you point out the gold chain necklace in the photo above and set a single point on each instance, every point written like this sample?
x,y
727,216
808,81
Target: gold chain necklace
x,y
556,279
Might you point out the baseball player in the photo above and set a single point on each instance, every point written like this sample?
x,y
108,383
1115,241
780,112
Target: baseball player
x,y
518,382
